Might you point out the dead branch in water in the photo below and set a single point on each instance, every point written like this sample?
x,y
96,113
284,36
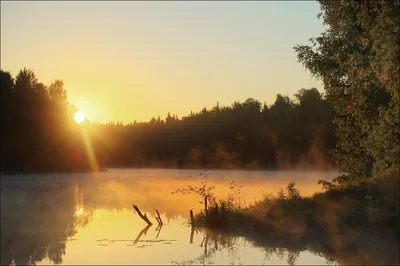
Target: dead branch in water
x,y
191,235
158,218
144,231
144,217
158,230
192,222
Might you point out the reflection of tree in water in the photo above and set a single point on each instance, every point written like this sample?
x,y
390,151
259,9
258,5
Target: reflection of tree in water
x,y
37,221
282,254
287,250
213,242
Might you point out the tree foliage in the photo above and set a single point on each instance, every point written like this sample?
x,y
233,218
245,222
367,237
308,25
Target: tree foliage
x,y
40,134
38,131
287,134
358,60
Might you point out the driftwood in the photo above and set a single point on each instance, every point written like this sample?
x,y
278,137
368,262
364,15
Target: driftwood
x,y
192,222
144,217
158,218
144,231
191,235
158,230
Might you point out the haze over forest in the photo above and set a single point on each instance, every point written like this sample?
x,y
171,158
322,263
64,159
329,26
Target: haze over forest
x,y
42,135
132,60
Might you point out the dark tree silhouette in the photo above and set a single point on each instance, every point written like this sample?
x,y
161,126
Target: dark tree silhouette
x,y
288,134
39,133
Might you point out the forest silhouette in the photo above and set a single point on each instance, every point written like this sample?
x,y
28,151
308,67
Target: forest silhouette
x,y
40,134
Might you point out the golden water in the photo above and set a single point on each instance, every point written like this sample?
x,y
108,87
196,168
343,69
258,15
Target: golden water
x,y
89,219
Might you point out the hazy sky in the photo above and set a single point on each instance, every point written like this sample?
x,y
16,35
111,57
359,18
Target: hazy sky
x,y
134,60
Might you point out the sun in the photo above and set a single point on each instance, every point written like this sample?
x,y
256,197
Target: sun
x,y
79,117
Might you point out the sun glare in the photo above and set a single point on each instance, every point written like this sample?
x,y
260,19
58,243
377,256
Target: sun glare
x,y
79,117
79,212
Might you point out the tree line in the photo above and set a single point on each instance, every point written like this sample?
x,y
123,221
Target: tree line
x,y
291,133
39,133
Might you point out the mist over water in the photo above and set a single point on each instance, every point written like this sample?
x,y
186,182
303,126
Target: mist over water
x,y
88,218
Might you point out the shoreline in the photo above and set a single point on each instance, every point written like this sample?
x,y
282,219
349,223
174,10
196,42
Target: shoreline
x,y
105,169
52,172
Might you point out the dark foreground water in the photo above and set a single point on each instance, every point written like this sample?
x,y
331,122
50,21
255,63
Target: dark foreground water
x,y
89,219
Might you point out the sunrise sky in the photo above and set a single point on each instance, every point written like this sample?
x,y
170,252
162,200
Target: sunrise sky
x,y
125,61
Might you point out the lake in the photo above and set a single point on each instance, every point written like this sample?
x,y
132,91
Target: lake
x,y
89,219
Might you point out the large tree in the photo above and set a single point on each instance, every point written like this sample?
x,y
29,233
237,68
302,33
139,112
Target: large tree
x,y
38,132
357,57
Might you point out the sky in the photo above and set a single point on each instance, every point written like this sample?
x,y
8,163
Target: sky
x,y
132,60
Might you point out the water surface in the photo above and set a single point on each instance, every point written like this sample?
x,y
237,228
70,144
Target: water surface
x,y
89,219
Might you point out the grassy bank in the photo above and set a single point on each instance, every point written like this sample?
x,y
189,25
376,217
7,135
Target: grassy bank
x,y
359,220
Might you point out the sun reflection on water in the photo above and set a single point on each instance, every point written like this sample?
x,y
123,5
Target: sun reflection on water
x,y
93,221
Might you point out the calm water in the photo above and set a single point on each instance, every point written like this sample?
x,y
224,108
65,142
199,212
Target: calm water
x,y
89,219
